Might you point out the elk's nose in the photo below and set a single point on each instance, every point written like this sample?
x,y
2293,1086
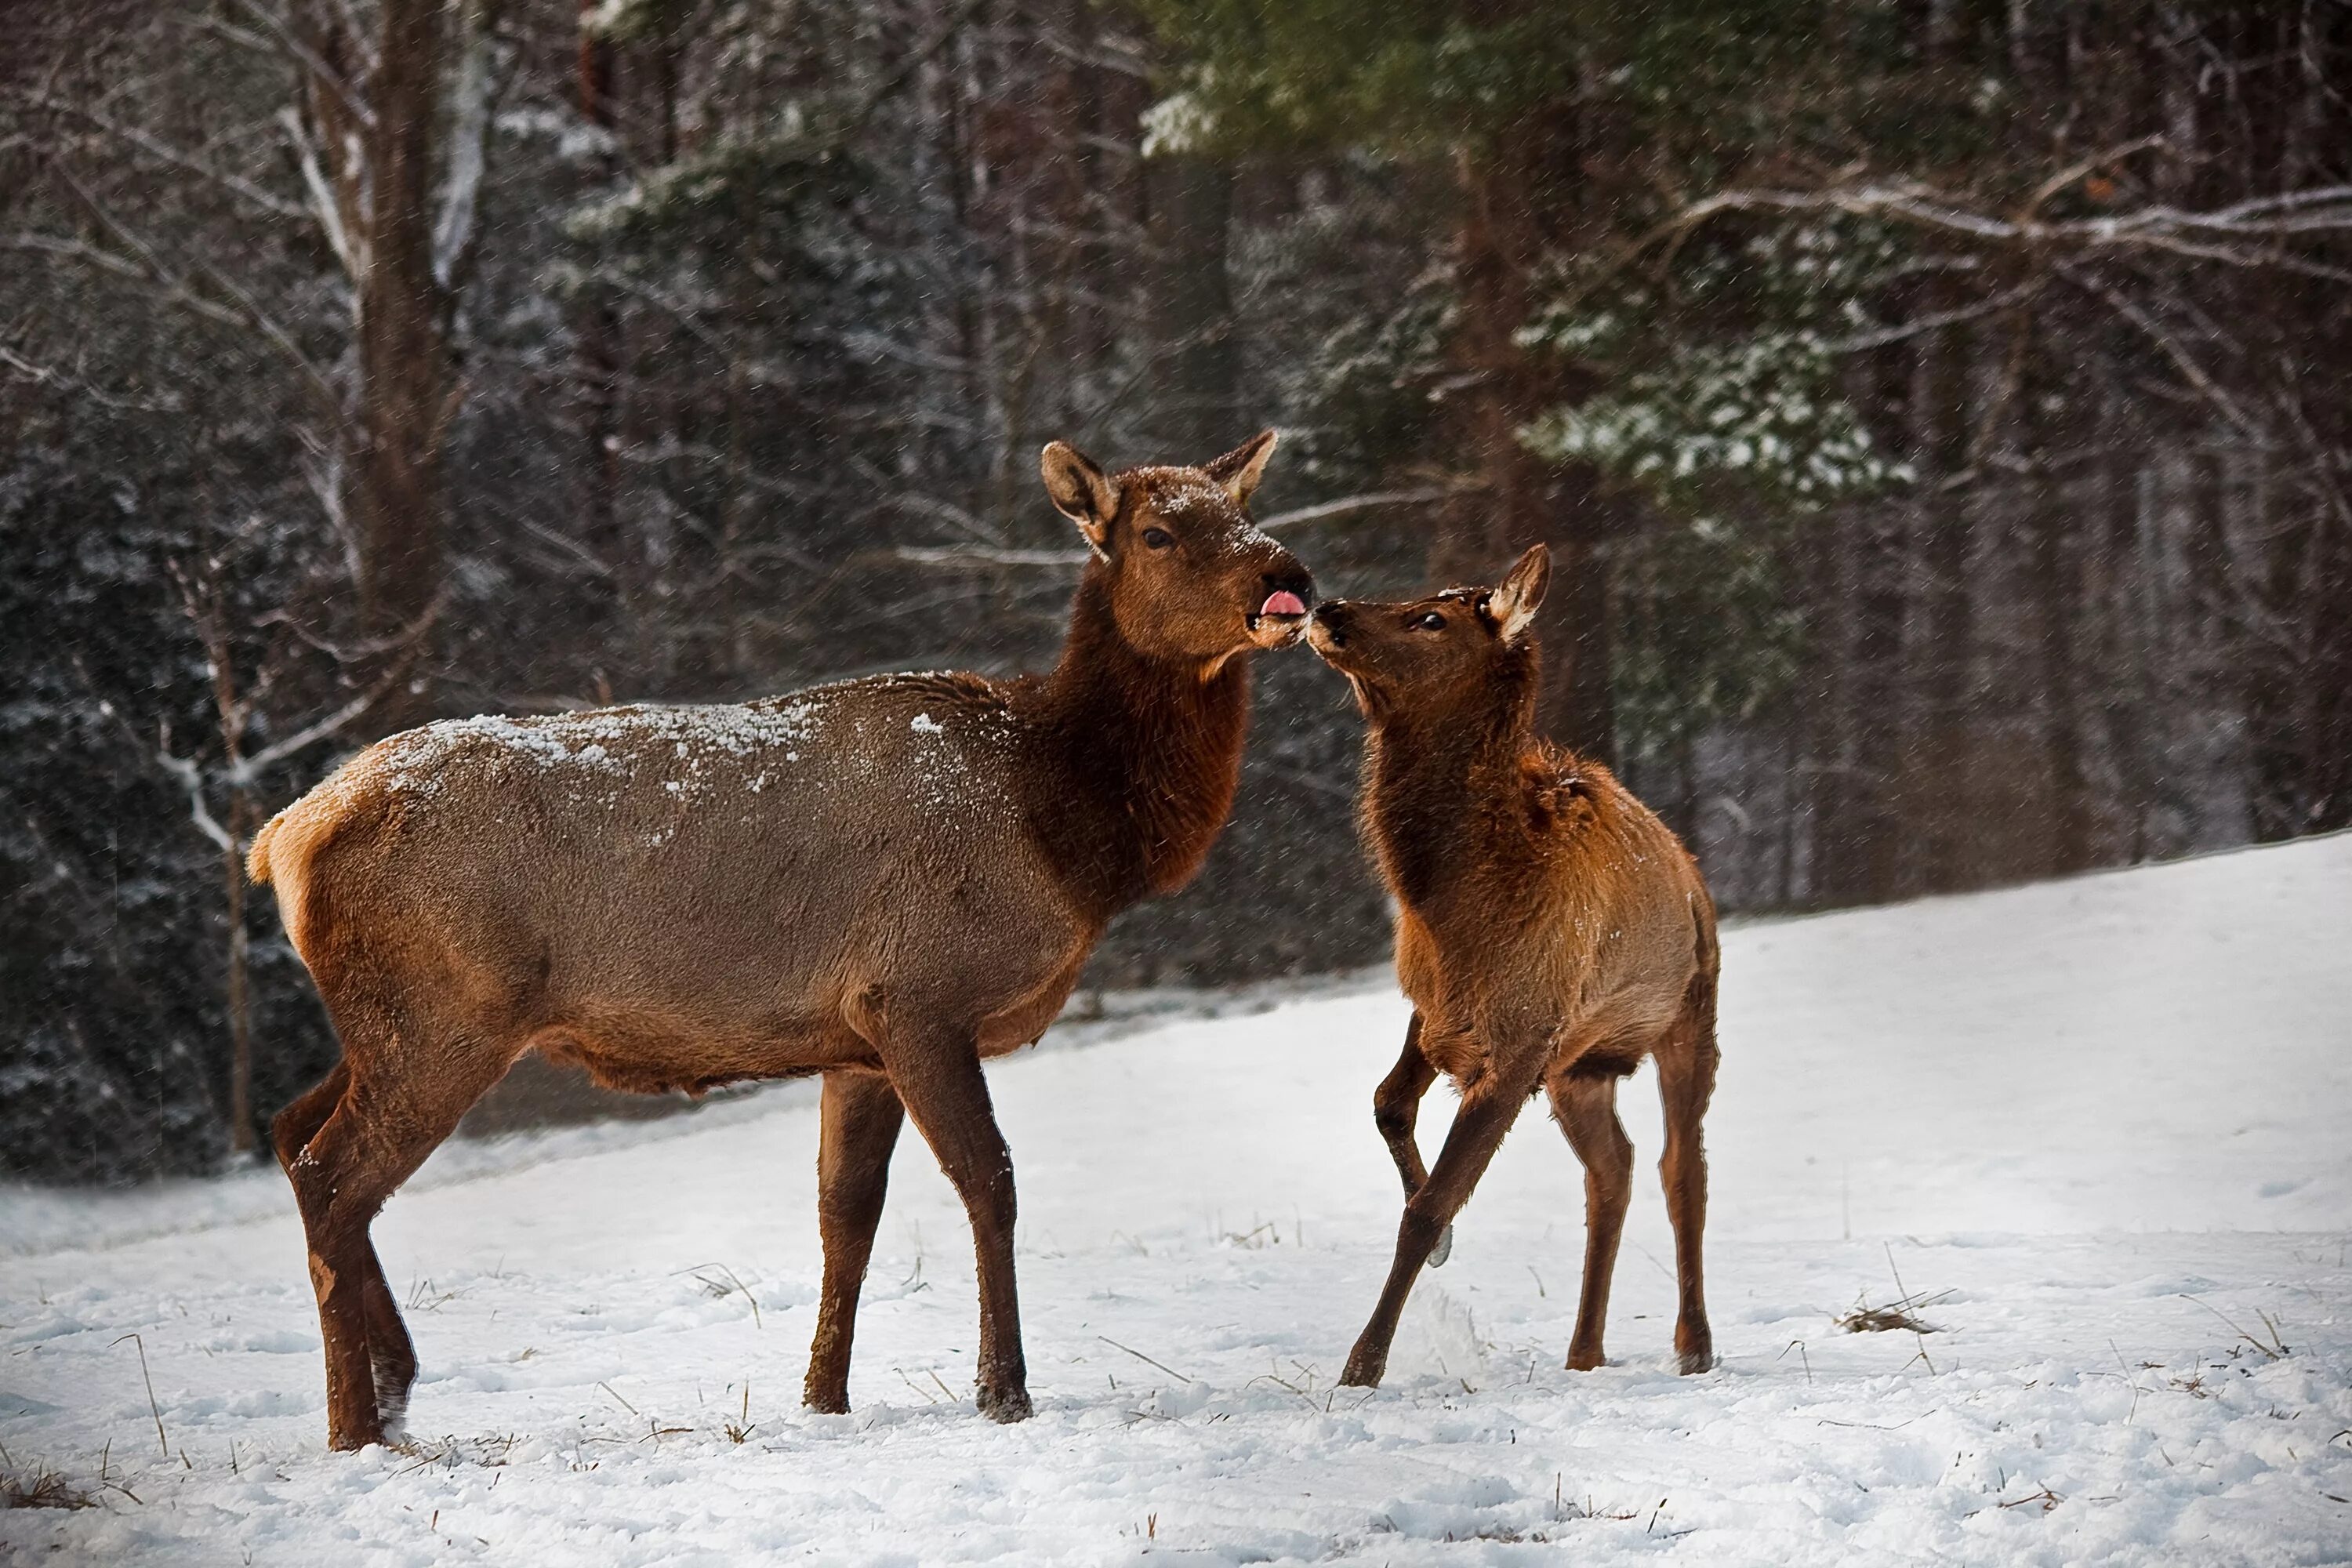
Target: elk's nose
x,y
1332,615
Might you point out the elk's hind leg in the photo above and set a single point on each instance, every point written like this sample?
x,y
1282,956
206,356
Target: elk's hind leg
x,y
388,1117
1687,1057
861,1118
1584,1100
391,1356
1396,1107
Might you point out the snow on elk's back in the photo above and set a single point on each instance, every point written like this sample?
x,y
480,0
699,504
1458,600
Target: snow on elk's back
x,y
917,736
613,742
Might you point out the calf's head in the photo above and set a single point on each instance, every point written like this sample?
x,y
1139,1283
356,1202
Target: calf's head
x,y
1190,576
1435,656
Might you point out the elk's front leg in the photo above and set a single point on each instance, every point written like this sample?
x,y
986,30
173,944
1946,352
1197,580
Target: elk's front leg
x,y
1488,1108
939,1080
861,1118
1396,1109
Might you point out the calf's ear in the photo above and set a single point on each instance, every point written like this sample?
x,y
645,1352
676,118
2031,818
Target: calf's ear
x,y
1239,469
1080,492
1514,605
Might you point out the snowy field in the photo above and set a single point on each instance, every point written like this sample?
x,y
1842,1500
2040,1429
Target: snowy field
x,y
2105,1125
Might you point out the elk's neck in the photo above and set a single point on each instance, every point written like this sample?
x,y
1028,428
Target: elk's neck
x,y
1140,759
1443,800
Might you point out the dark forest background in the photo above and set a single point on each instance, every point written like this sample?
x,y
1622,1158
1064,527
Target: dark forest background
x,y
1939,410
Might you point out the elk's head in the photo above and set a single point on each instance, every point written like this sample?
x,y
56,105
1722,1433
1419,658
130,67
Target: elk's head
x,y
1190,576
1437,655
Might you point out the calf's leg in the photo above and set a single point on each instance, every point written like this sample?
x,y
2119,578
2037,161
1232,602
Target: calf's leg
x,y
1686,1061
1586,1105
860,1122
1396,1107
1487,1112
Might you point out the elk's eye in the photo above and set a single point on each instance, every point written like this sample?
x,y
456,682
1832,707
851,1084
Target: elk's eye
x,y
1432,622
1157,538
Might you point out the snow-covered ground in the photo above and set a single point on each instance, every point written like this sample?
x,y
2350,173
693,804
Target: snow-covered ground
x,y
2107,1123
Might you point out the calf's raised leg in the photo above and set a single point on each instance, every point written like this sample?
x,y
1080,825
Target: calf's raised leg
x,y
1486,1113
1396,1109
860,1121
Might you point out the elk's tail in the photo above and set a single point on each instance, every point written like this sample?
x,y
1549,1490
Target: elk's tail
x,y
257,859
287,845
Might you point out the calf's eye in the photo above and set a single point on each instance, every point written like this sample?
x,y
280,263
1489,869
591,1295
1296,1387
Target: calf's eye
x,y
1432,622
1157,538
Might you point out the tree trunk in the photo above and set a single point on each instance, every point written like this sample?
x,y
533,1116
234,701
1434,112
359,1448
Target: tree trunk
x,y
240,1005
407,389
2130,691
2058,586
1867,867
1943,658
597,351
1522,500
1191,325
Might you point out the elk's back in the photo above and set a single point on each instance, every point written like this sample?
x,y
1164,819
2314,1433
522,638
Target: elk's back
x,y
669,883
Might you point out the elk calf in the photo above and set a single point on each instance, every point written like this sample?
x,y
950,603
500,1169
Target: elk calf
x,y
883,881
1552,933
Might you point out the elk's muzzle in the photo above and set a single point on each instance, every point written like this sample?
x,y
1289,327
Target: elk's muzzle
x,y
1282,607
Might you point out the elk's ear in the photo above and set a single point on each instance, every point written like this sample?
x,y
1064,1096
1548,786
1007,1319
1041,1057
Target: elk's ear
x,y
1080,492
1239,469
1514,605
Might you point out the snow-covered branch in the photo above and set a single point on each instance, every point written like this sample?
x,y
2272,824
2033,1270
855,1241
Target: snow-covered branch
x,y
247,769
1428,495
192,779
469,127
162,152
325,206
2242,234
287,41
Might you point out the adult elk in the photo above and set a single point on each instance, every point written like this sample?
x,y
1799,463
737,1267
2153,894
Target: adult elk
x,y
1551,934
883,881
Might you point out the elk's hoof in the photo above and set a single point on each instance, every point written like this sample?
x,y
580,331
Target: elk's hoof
x,y
826,1401
1364,1370
1586,1360
1697,1358
1006,1407
1445,1248
351,1440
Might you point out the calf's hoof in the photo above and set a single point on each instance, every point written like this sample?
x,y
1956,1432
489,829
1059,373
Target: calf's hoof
x,y
1006,1407
826,1401
1445,1248
1585,1358
1365,1368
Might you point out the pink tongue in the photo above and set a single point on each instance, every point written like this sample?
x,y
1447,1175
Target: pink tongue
x,y
1282,602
